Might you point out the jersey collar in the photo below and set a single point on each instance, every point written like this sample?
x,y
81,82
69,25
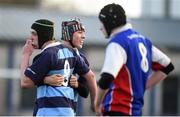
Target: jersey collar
x,y
51,45
121,29
77,51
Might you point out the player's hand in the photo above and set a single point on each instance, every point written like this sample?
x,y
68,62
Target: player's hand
x,y
54,80
28,48
98,110
92,107
74,82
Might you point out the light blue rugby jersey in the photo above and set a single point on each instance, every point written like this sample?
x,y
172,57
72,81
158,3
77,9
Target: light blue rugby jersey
x,y
51,100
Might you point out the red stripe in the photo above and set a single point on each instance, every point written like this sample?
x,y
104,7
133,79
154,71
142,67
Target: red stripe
x,y
121,97
156,66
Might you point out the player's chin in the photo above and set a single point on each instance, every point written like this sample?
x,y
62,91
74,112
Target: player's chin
x,y
79,46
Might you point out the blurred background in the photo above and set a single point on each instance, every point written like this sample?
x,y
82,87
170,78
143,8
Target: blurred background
x,y
157,19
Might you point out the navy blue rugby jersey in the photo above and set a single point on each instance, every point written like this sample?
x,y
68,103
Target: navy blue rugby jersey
x,y
56,58
80,79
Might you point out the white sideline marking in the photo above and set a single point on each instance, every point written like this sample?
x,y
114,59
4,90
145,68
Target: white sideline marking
x,y
9,73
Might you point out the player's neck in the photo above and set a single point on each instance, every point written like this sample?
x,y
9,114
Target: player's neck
x,y
67,44
121,29
47,43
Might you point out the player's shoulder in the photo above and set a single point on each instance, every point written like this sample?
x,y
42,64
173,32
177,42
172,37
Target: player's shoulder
x,y
120,37
63,46
36,57
57,48
82,54
84,58
118,41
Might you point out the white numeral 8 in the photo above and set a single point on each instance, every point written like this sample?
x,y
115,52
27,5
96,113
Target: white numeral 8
x,y
66,73
144,61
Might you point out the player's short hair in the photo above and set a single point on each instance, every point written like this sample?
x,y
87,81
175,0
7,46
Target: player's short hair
x,y
69,27
112,16
44,29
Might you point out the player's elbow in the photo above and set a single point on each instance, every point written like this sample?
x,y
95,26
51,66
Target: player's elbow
x,y
25,83
89,75
168,69
92,75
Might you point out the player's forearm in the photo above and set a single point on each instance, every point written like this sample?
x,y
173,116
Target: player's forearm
x,y
92,86
155,77
25,81
100,96
103,86
24,62
159,75
93,92
54,80
48,80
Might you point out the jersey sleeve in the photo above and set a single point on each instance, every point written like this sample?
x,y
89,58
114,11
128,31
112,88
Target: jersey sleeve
x,y
85,59
40,67
81,67
115,57
83,90
160,60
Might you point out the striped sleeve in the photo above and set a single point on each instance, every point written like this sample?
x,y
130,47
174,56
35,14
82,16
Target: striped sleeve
x,y
40,67
114,59
161,61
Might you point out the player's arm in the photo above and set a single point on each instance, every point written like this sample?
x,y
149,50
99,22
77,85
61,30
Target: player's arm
x,y
82,88
103,86
110,70
82,69
54,80
83,85
38,70
92,86
161,66
154,78
26,82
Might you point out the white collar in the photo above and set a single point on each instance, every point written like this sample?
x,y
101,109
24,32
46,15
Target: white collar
x,y
121,29
51,45
77,51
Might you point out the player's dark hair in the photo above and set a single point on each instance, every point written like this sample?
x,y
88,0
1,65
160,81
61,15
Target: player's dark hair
x,y
44,29
112,16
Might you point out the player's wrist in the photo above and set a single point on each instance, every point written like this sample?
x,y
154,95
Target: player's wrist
x,y
26,54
